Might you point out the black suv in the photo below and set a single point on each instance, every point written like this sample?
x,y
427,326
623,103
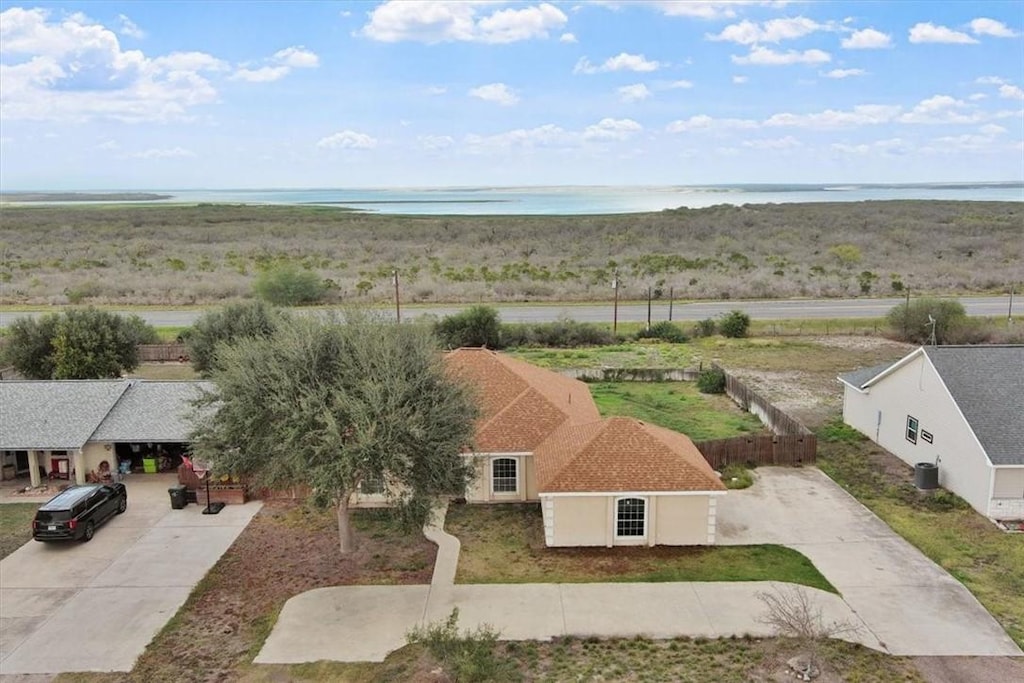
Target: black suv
x,y
74,513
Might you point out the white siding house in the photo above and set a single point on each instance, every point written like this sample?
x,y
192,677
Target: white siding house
x,y
960,407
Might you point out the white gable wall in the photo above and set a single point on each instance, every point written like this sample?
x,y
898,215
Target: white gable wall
x,y
916,389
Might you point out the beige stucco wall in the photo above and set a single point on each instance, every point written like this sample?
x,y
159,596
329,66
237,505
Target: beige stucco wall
x,y
916,389
94,453
682,520
479,491
590,520
1007,493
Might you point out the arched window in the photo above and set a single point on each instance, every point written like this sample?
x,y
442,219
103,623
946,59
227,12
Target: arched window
x,y
504,475
631,517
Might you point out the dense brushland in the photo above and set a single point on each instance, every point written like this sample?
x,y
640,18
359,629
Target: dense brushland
x,y
183,254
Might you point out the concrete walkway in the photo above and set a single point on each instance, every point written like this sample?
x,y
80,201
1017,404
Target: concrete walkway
x,y
95,606
900,601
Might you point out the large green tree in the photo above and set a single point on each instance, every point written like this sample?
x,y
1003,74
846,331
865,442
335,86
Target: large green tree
x,y
233,322
913,323
83,343
334,403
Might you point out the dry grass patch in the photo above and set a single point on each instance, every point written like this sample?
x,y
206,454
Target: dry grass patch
x,y
505,544
15,526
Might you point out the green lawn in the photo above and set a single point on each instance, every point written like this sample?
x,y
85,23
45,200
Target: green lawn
x,y
15,526
676,405
505,544
989,562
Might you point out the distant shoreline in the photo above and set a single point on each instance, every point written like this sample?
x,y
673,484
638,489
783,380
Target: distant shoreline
x,y
33,197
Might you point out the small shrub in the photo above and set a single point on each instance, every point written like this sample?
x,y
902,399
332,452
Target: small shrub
x,y
665,331
289,285
475,326
737,477
565,334
705,328
468,655
711,381
735,324
910,323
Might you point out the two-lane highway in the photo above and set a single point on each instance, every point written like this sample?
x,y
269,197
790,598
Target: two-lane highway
x,y
628,312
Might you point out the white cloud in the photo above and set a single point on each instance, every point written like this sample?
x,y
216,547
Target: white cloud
x,y
697,9
889,147
983,26
441,21
773,31
171,153
435,90
788,142
844,73
677,85
867,39
499,93
435,142
130,28
611,129
347,139
705,123
860,115
620,62
1011,92
763,56
942,109
974,97
297,57
634,93
740,80
927,32
548,135
567,38
990,80
108,145
991,129
74,69
264,74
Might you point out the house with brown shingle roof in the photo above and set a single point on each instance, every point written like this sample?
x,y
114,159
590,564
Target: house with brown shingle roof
x,y
600,482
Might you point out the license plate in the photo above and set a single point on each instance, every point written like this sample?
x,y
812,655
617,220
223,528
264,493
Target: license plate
x,y
52,527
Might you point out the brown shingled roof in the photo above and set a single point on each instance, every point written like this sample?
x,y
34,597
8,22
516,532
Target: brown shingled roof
x,y
520,404
621,454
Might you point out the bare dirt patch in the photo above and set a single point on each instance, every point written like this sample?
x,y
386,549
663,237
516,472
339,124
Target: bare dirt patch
x,y
286,550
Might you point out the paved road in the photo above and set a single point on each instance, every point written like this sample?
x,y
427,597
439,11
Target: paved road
x,y
633,312
95,606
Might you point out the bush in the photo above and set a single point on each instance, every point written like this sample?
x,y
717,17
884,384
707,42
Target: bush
x,y
565,334
735,324
911,323
665,331
289,285
229,324
475,326
467,656
711,381
77,344
737,477
705,328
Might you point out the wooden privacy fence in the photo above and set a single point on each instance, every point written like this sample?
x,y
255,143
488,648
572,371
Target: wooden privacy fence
x,y
798,449
159,353
775,419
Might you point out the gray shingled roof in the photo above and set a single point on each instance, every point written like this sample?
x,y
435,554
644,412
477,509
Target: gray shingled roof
x,y
987,383
54,415
859,378
152,411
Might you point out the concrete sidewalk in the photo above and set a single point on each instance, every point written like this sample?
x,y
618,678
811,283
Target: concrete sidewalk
x,y
365,623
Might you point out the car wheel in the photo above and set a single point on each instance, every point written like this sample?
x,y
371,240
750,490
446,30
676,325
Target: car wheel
x,y
90,531
122,504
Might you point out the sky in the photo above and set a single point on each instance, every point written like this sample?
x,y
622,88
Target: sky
x,y
226,95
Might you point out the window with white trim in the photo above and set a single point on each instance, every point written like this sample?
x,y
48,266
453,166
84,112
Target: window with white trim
x,y
371,484
912,425
630,517
504,475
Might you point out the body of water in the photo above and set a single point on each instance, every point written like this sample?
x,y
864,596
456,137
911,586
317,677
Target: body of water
x,y
591,199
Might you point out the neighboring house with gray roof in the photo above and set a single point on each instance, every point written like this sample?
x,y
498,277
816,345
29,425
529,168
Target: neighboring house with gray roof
x,y
961,407
67,428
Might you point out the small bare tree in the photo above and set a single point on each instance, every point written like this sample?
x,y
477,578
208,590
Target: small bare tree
x,y
793,612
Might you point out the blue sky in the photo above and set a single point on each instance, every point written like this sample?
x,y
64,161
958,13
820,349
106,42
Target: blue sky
x,y
139,95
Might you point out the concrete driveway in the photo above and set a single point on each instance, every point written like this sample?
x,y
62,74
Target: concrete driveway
x,y
95,606
910,604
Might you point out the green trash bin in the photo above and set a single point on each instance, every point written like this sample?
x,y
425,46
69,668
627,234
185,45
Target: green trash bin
x,y
178,500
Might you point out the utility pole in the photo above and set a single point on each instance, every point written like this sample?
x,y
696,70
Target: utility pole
x,y
615,310
906,314
648,308
671,300
398,304
1009,311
